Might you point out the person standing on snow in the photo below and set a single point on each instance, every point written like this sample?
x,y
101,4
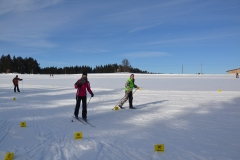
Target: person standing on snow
x,y
15,83
82,85
128,92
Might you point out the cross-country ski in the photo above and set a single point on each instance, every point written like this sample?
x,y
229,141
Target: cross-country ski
x,y
87,122
79,119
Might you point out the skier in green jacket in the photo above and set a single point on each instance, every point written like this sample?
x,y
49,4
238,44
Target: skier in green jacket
x,y
128,92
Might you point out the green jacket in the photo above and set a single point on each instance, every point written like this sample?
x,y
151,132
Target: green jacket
x,y
130,85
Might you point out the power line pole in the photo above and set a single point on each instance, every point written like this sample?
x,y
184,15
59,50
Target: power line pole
x,y
182,69
201,67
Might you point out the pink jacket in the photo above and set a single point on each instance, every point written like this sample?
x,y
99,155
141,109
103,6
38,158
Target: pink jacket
x,y
82,90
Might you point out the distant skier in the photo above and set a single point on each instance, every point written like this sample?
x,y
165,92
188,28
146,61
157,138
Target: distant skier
x,y
237,76
128,92
81,85
15,83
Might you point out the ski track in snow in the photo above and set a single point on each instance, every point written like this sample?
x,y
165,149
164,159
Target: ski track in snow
x,y
193,121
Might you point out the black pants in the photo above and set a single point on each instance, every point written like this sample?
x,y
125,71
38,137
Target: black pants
x,y
84,106
130,99
16,86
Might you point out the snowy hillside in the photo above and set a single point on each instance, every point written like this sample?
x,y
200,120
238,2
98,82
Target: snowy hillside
x,y
194,116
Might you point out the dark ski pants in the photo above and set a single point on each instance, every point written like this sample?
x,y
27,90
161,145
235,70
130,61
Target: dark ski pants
x,y
16,86
84,106
128,96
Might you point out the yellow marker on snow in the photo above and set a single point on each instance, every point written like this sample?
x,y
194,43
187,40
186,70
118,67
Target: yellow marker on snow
x,y
23,124
219,90
159,148
78,135
9,156
116,108
14,99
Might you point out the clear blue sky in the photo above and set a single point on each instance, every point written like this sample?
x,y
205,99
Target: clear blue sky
x,y
154,35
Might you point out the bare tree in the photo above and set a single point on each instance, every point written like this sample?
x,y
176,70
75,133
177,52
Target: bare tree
x,y
126,65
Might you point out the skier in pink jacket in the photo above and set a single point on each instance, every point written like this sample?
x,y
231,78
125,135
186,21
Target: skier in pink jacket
x,y
82,85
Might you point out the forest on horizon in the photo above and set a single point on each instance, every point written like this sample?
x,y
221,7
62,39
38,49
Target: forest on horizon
x,y
29,65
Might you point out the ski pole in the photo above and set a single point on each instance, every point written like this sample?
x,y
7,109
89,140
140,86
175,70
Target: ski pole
x,y
10,88
89,101
135,90
22,86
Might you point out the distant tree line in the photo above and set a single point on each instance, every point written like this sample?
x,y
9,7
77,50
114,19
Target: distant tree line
x,y
18,64
31,66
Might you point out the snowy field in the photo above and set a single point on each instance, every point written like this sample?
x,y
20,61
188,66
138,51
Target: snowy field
x,y
194,116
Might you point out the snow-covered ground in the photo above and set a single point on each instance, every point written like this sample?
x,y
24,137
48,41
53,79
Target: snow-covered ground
x,y
186,113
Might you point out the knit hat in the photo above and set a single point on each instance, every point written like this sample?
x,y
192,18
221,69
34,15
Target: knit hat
x,y
84,73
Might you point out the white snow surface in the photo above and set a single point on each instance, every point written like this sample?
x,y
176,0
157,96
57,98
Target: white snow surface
x,y
186,113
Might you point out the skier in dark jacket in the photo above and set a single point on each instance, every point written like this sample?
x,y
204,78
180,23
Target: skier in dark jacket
x,y
128,92
15,83
82,85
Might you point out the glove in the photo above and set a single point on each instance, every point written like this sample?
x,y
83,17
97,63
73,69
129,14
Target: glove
x,y
92,94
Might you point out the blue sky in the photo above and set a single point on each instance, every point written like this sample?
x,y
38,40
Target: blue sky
x,y
154,35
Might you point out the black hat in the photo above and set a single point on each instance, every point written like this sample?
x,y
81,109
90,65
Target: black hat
x,y
85,73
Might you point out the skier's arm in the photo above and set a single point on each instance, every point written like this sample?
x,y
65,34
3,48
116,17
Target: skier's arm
x,y
76,85
79,83
89,89
127,86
